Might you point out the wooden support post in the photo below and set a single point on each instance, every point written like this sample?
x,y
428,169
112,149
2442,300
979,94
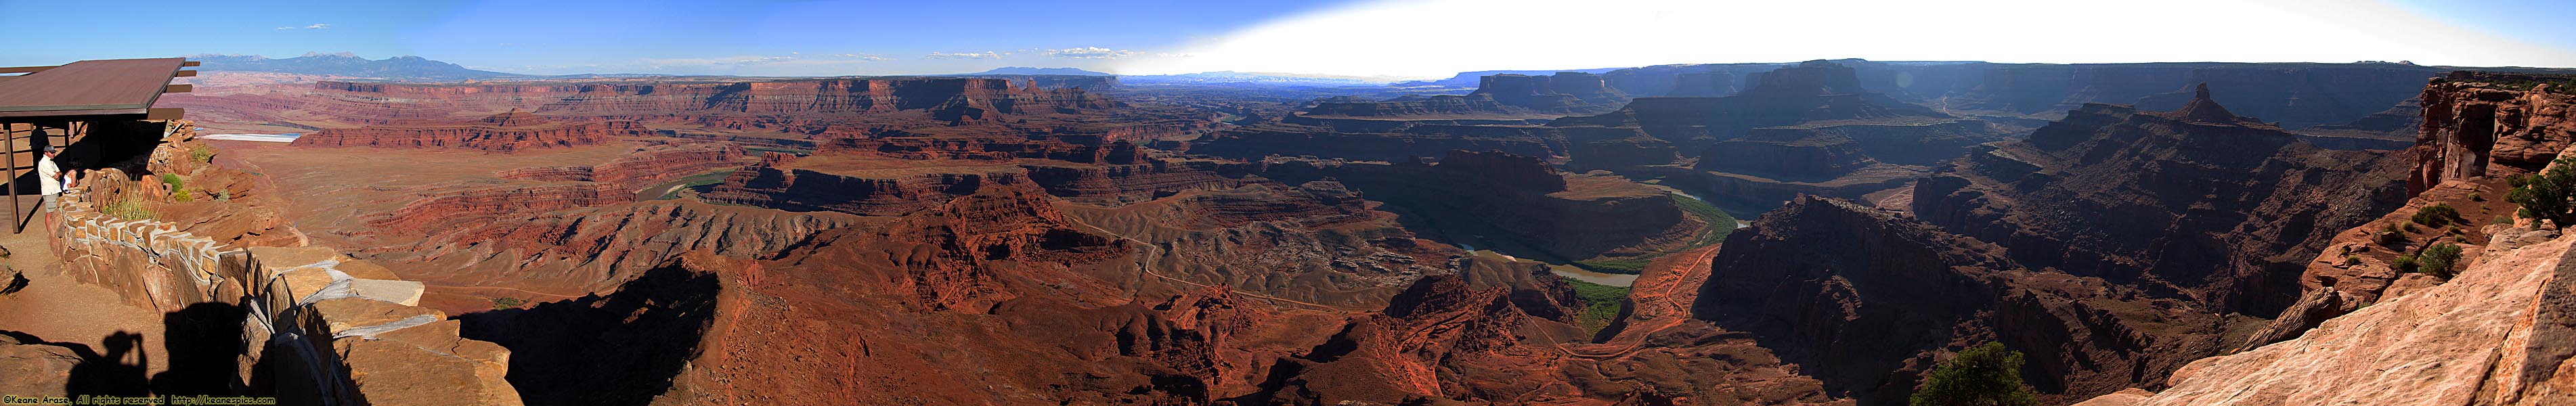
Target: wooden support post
x,y
12,160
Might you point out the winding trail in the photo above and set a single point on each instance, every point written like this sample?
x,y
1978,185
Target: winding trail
x,y
1661,300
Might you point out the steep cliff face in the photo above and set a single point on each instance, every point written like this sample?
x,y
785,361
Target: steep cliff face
x,y
1812,91
1613,148
507,132
2198,200
948,97
2498,334
1377,140
2479,124
1123,181
1867,300
1702,84
1786,153
2479,129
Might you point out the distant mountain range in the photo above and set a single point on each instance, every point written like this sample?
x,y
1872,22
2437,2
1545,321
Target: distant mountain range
x,y
406,68
1468,79
1257,78
1023,70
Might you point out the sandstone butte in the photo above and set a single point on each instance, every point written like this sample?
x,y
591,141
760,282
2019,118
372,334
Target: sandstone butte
x,y
990,241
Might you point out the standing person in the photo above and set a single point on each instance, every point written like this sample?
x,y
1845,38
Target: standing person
x,y
50,177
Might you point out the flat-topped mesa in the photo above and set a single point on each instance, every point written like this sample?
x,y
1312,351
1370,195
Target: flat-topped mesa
x,y
1702,84
1786,153
1500,169
1807,79
1815,91
507,132
1496,96
949,99
1570,216
1564,91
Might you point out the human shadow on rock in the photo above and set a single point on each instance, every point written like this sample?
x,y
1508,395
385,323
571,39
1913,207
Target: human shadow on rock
x,y
619,349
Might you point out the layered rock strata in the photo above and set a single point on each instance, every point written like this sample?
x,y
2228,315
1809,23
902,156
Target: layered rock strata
x,y
2199,201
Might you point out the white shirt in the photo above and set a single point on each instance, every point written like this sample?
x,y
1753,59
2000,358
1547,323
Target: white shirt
x,y
49,175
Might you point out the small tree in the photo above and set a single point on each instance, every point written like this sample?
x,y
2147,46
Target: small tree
x,y
2437,260
2546,195
2436,215
1988,375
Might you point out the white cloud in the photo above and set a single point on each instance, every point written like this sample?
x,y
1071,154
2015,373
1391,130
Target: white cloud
x,y
968,55
1089,53
308,27
1502,34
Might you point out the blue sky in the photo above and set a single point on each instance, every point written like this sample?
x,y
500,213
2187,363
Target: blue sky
x,y
1412,38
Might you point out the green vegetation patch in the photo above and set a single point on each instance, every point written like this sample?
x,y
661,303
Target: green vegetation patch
x,y
1600,304
2546,196
2438,259
1985,375
2436,215
127,209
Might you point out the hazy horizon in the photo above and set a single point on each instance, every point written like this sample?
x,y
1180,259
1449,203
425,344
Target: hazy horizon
x,y
1412,39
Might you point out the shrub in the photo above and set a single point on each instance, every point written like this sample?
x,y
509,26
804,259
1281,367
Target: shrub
x,y
2437,259
505,302
126,209
2405,263
201,155
2436,215
2545,195
2391,235
1986,375
1600,304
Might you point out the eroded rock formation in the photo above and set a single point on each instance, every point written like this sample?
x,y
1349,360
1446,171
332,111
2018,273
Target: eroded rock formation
x,y
1869,325
2207,205
508,132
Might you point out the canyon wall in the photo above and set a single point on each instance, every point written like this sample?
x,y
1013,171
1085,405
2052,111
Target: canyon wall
x,y
508,132
2197,200
1506,95
2296,95
1867,300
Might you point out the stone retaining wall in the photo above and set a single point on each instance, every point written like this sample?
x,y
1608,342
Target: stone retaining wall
x,y
327,328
